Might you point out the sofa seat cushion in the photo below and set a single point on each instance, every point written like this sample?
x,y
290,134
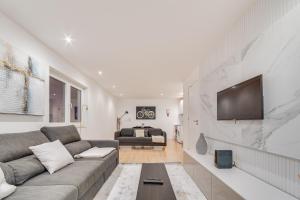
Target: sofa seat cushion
x,y
109,162
138,140
57,192
82,175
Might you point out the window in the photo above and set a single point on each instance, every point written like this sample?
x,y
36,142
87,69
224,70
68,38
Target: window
x,y
75,105
56,100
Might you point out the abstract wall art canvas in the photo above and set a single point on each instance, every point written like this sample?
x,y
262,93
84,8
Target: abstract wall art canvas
x,y
22,82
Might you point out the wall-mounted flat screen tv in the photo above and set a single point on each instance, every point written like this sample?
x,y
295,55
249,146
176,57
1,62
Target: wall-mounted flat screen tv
x,y
243,101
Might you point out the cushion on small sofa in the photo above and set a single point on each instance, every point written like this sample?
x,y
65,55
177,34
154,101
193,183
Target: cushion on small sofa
x,y
66,134
127,132
155,132
26,168
139,132
78,147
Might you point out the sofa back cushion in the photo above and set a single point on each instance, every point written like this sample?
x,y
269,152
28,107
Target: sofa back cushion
x,y
127,132
155,132
78,147
25,168
15,145
66,134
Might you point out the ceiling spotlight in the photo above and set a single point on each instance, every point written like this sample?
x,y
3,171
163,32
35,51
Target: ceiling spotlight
x,y
100,73
114,86
68,39
161,94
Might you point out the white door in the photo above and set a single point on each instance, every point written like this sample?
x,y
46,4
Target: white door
x,y
193,114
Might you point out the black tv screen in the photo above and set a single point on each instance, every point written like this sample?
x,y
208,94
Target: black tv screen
x,y
243,101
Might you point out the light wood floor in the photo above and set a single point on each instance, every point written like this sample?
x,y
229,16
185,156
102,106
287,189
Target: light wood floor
x,y
172,153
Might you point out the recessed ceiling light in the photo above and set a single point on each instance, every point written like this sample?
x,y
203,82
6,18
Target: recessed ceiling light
x,y
100,73
161,94
114,86
121,94
68,39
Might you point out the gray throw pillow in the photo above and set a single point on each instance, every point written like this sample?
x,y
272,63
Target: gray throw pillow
x,y
127,132
8,173
155,132
25,168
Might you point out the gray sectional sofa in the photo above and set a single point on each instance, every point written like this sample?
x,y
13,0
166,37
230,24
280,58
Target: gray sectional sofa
x,y
80,180
126,137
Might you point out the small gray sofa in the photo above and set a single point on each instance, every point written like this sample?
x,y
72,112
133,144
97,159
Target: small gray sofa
x,y
80,180
126,137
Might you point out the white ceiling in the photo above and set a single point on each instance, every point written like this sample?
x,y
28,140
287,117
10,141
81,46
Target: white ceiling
x,y
144,47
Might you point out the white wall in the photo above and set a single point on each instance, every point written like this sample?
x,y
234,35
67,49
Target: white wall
x,y
266,41
101,115
161,121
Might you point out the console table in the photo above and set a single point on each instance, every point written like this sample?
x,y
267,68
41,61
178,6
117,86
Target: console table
x,y
231,184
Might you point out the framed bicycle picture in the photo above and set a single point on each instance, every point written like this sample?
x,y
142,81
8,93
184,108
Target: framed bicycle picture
x,y
145,112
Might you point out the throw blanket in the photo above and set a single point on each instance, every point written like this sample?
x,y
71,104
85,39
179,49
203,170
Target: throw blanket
x,y
158,139
95,152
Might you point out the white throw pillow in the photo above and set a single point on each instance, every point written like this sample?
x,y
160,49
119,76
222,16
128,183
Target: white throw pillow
x,y
139,133
95,152
5,188
53,155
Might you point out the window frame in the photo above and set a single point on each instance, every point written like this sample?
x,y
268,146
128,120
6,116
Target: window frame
x,y
65,94
68,85
81,97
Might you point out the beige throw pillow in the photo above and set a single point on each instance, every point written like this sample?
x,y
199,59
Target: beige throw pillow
x,y
139,133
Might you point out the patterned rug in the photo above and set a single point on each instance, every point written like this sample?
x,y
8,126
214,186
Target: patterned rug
x,y
123,183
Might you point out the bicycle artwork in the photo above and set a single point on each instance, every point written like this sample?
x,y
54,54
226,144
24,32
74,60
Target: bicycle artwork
x,y
145,112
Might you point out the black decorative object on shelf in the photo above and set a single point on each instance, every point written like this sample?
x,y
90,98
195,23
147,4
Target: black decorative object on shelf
x,y
145,112
223,159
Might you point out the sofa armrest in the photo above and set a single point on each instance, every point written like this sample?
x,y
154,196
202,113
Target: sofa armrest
x,y
165,136
117,134
105,143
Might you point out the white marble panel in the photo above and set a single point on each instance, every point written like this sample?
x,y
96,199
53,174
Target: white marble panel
x,y
275,53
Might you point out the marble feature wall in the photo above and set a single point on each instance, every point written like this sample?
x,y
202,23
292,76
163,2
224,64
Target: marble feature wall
x,y
274,53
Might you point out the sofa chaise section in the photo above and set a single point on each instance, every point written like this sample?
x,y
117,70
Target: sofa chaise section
x,y
82,175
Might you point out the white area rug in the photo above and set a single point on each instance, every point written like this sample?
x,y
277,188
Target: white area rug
x,y
123,183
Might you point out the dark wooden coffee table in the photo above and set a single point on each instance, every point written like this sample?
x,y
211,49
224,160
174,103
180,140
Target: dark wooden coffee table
x,y
151,191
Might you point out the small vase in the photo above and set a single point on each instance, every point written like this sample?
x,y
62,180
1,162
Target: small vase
x,y
201,145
